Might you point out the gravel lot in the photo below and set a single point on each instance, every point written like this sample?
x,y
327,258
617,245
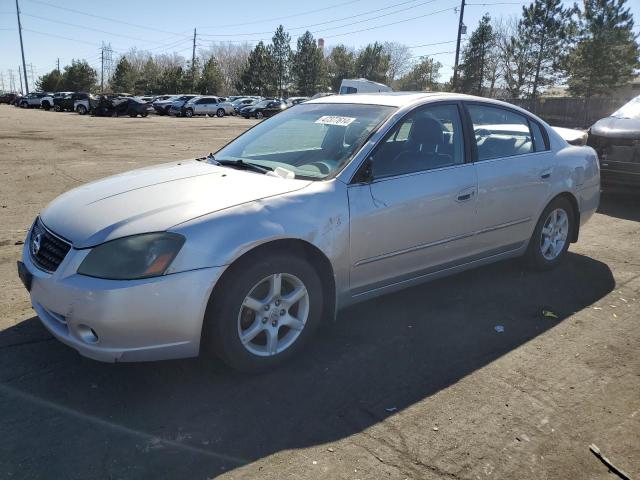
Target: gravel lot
x,y
417,384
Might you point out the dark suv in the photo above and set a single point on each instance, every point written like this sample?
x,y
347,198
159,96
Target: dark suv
x,y
65,102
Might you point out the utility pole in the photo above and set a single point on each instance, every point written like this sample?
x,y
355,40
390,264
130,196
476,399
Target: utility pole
x,y
101,69
24,65
193,63
58,65
20,77
460,26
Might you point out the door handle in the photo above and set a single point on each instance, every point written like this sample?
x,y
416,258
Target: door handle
x,y
466,195
546,174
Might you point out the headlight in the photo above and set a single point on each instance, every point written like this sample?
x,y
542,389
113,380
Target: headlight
x,y
129,258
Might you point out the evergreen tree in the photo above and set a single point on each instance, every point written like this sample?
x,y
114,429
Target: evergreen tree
x,y
308,65
422,77
545,26
211,81
51,82
606,53
256,76
124,78
372,63
79,76
474,57
340,65
170,79
281,54
149,79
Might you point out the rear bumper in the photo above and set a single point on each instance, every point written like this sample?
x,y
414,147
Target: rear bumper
x,y
122,321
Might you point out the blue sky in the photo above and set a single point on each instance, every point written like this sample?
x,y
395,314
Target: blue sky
x,y
67,29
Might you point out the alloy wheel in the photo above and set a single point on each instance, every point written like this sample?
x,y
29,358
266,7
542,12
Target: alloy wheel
x,y
554,234
273,314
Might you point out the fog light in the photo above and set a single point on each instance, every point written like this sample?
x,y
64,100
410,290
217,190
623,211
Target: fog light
x,y
87,333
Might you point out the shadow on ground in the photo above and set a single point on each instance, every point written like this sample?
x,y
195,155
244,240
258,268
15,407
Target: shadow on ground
x,y
64,416
620,203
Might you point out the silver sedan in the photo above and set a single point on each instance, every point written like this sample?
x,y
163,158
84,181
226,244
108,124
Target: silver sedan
x,y
338,200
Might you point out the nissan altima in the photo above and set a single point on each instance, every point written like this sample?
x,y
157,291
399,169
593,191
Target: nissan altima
x,y
244,252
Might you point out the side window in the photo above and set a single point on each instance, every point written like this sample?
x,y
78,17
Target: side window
x,y
426,139
500,132
540,143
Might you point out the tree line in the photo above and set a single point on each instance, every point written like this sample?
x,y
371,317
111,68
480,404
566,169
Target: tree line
x,y
590,49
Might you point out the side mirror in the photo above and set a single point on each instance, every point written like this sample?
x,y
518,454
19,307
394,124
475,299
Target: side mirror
x,y
365,174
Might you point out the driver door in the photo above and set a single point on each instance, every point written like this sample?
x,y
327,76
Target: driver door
x,y
417,213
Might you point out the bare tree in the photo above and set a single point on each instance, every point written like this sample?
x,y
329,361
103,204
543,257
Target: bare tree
x,y
231,58
514,57
399,59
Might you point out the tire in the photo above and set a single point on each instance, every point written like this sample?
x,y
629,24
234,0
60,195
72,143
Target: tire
x,y
144,114
57,108
188,113
132,114
546,248
259,115
82,110
46,106
220,113
227,316
24,105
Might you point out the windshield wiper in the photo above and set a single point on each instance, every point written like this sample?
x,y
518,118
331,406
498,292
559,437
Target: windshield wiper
x,y
241,164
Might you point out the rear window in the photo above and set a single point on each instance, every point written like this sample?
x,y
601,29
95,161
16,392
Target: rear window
x,y
499,132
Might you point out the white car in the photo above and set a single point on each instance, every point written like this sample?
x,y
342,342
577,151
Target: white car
x,y
338,200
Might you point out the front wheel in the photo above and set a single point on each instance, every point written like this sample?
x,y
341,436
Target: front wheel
x,y
220,113
57,108
132,114
144,114
46,106
82,110
550,240
259,115
188,113
264,312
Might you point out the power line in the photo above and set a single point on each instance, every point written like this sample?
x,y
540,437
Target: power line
x,y
138,39
118,20
431,44
391,23
266,20
432,54
333,20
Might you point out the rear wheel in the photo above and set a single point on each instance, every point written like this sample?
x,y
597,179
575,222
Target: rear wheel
x,y
550,241
220,113
188,113
264,312
82,110
144,114
259,115
132,114
57,108
46,106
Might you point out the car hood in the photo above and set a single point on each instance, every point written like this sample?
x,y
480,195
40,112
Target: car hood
x,y
154,199
615,127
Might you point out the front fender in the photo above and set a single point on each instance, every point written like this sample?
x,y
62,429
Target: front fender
x,y
318,214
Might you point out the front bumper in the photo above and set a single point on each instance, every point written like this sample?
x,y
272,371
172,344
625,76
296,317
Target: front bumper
x,y
122,321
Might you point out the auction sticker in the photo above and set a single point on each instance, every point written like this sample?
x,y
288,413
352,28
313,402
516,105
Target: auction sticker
x,y
335,120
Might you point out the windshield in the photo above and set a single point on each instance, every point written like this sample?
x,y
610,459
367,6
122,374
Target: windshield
x,y
629,110
311,140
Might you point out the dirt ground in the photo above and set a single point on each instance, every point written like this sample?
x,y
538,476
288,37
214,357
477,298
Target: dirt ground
x,y
414,385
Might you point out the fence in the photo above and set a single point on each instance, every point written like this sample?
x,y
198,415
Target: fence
x,y
570,112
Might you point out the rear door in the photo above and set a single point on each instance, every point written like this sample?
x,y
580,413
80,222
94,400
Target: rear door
x,y
515,168
418,214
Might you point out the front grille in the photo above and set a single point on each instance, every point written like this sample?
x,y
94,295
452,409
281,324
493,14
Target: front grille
x,y
616,149
47,250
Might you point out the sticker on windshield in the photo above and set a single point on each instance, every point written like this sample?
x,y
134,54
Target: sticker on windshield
x,y
335,120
